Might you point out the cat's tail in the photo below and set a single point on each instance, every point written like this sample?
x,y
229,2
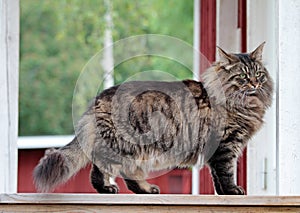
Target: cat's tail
x,y
58,165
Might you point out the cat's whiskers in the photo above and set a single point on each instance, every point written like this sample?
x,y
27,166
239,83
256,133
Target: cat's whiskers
x,y
262,93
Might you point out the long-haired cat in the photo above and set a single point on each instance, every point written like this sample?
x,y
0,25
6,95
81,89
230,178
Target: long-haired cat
x,y
142,126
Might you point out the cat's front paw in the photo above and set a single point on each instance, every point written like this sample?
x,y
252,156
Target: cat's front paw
x,y
235,190
154,189
112,189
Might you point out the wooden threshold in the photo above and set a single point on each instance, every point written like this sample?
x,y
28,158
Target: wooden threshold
x,y
145,203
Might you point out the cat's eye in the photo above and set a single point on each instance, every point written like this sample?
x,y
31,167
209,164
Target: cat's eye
x,y
243,76
258,74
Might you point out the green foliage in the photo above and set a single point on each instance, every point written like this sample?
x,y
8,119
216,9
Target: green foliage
x,y
58,37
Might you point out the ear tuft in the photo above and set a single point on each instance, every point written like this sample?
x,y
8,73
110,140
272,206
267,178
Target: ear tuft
x,y
257,53
226,57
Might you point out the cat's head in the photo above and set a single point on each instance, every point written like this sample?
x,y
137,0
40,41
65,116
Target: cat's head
x,y
243,79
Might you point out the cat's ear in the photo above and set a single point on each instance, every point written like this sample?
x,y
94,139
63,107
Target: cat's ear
x,y
226,57
257,53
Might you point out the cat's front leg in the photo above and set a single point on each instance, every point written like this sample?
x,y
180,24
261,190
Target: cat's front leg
x,y
223,173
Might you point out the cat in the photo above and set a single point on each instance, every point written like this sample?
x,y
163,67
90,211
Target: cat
x,y
142,126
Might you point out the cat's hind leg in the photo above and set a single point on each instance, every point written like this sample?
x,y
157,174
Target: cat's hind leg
x,y
136,183
100,181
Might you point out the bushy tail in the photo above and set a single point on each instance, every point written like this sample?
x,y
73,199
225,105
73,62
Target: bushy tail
x,y
58,165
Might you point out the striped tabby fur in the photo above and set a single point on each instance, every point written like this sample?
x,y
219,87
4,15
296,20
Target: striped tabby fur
x,y
138,127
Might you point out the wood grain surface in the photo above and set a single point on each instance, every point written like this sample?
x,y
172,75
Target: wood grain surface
x,y
145,203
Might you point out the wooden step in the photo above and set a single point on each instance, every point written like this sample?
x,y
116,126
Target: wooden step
x,y
145,203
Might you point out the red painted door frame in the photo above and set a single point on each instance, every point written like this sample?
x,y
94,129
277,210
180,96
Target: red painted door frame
x,y
242,24
208,49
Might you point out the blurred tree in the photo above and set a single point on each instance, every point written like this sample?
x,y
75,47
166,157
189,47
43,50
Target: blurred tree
x,y
58,37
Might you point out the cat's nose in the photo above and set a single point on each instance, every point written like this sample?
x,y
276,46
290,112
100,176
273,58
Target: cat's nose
x,y
253,84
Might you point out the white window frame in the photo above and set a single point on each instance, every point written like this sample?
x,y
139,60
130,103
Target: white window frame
x,y
9,84
262,150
